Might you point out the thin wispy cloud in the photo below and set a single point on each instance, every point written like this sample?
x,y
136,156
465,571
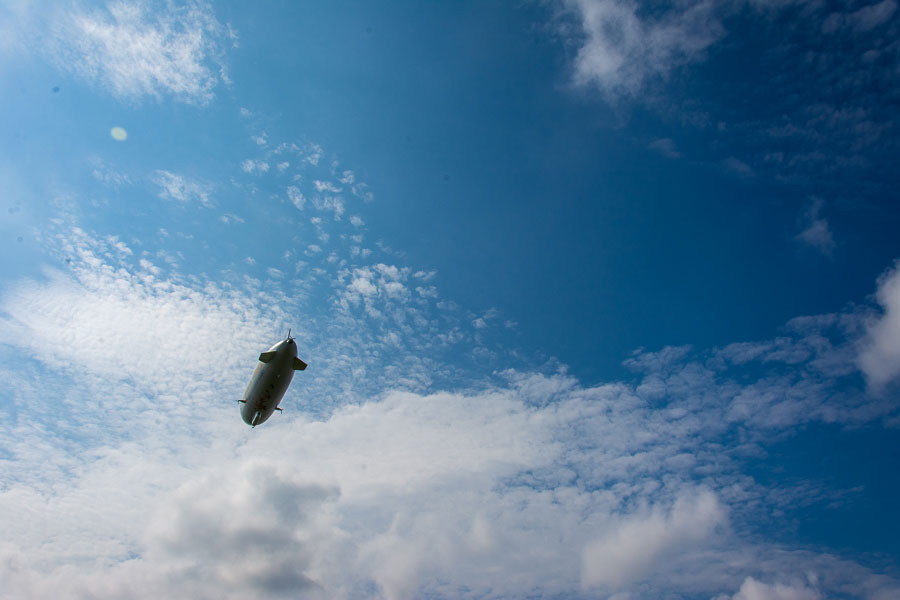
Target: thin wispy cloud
x,y
135,52
737,167
862,20
666,147
816,231
105,174
799,127
179,188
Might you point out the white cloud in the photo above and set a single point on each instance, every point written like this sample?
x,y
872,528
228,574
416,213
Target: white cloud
x,y
255,166
752,589
363,286
107,176
119,245
381,290
622,50
666,147
870,17
135,50
362,191
484,320
633,546
862,20
427,292
738,167
261,139
311,154
326,186
296,197
181,189
329,203
816,232
390,272
116,323
411,494
879,356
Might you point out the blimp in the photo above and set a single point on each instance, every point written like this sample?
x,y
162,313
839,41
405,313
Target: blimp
x,y
270,381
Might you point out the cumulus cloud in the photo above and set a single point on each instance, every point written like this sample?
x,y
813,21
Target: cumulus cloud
x,y
632,547
276,525
624,47
752,589
408,495
879,356
138,49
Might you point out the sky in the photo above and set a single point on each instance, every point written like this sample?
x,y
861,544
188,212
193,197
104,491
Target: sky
x,y
600,299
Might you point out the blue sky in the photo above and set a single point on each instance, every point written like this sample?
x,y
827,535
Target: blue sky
x,y
599,299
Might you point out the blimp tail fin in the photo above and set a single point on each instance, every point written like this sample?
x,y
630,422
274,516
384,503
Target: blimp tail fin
x,y
266,356
299,365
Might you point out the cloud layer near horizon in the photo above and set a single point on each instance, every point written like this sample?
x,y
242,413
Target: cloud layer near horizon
x,y
630,486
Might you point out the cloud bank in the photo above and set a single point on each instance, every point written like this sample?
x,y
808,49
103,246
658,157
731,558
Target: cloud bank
x,y
415,457
533,484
